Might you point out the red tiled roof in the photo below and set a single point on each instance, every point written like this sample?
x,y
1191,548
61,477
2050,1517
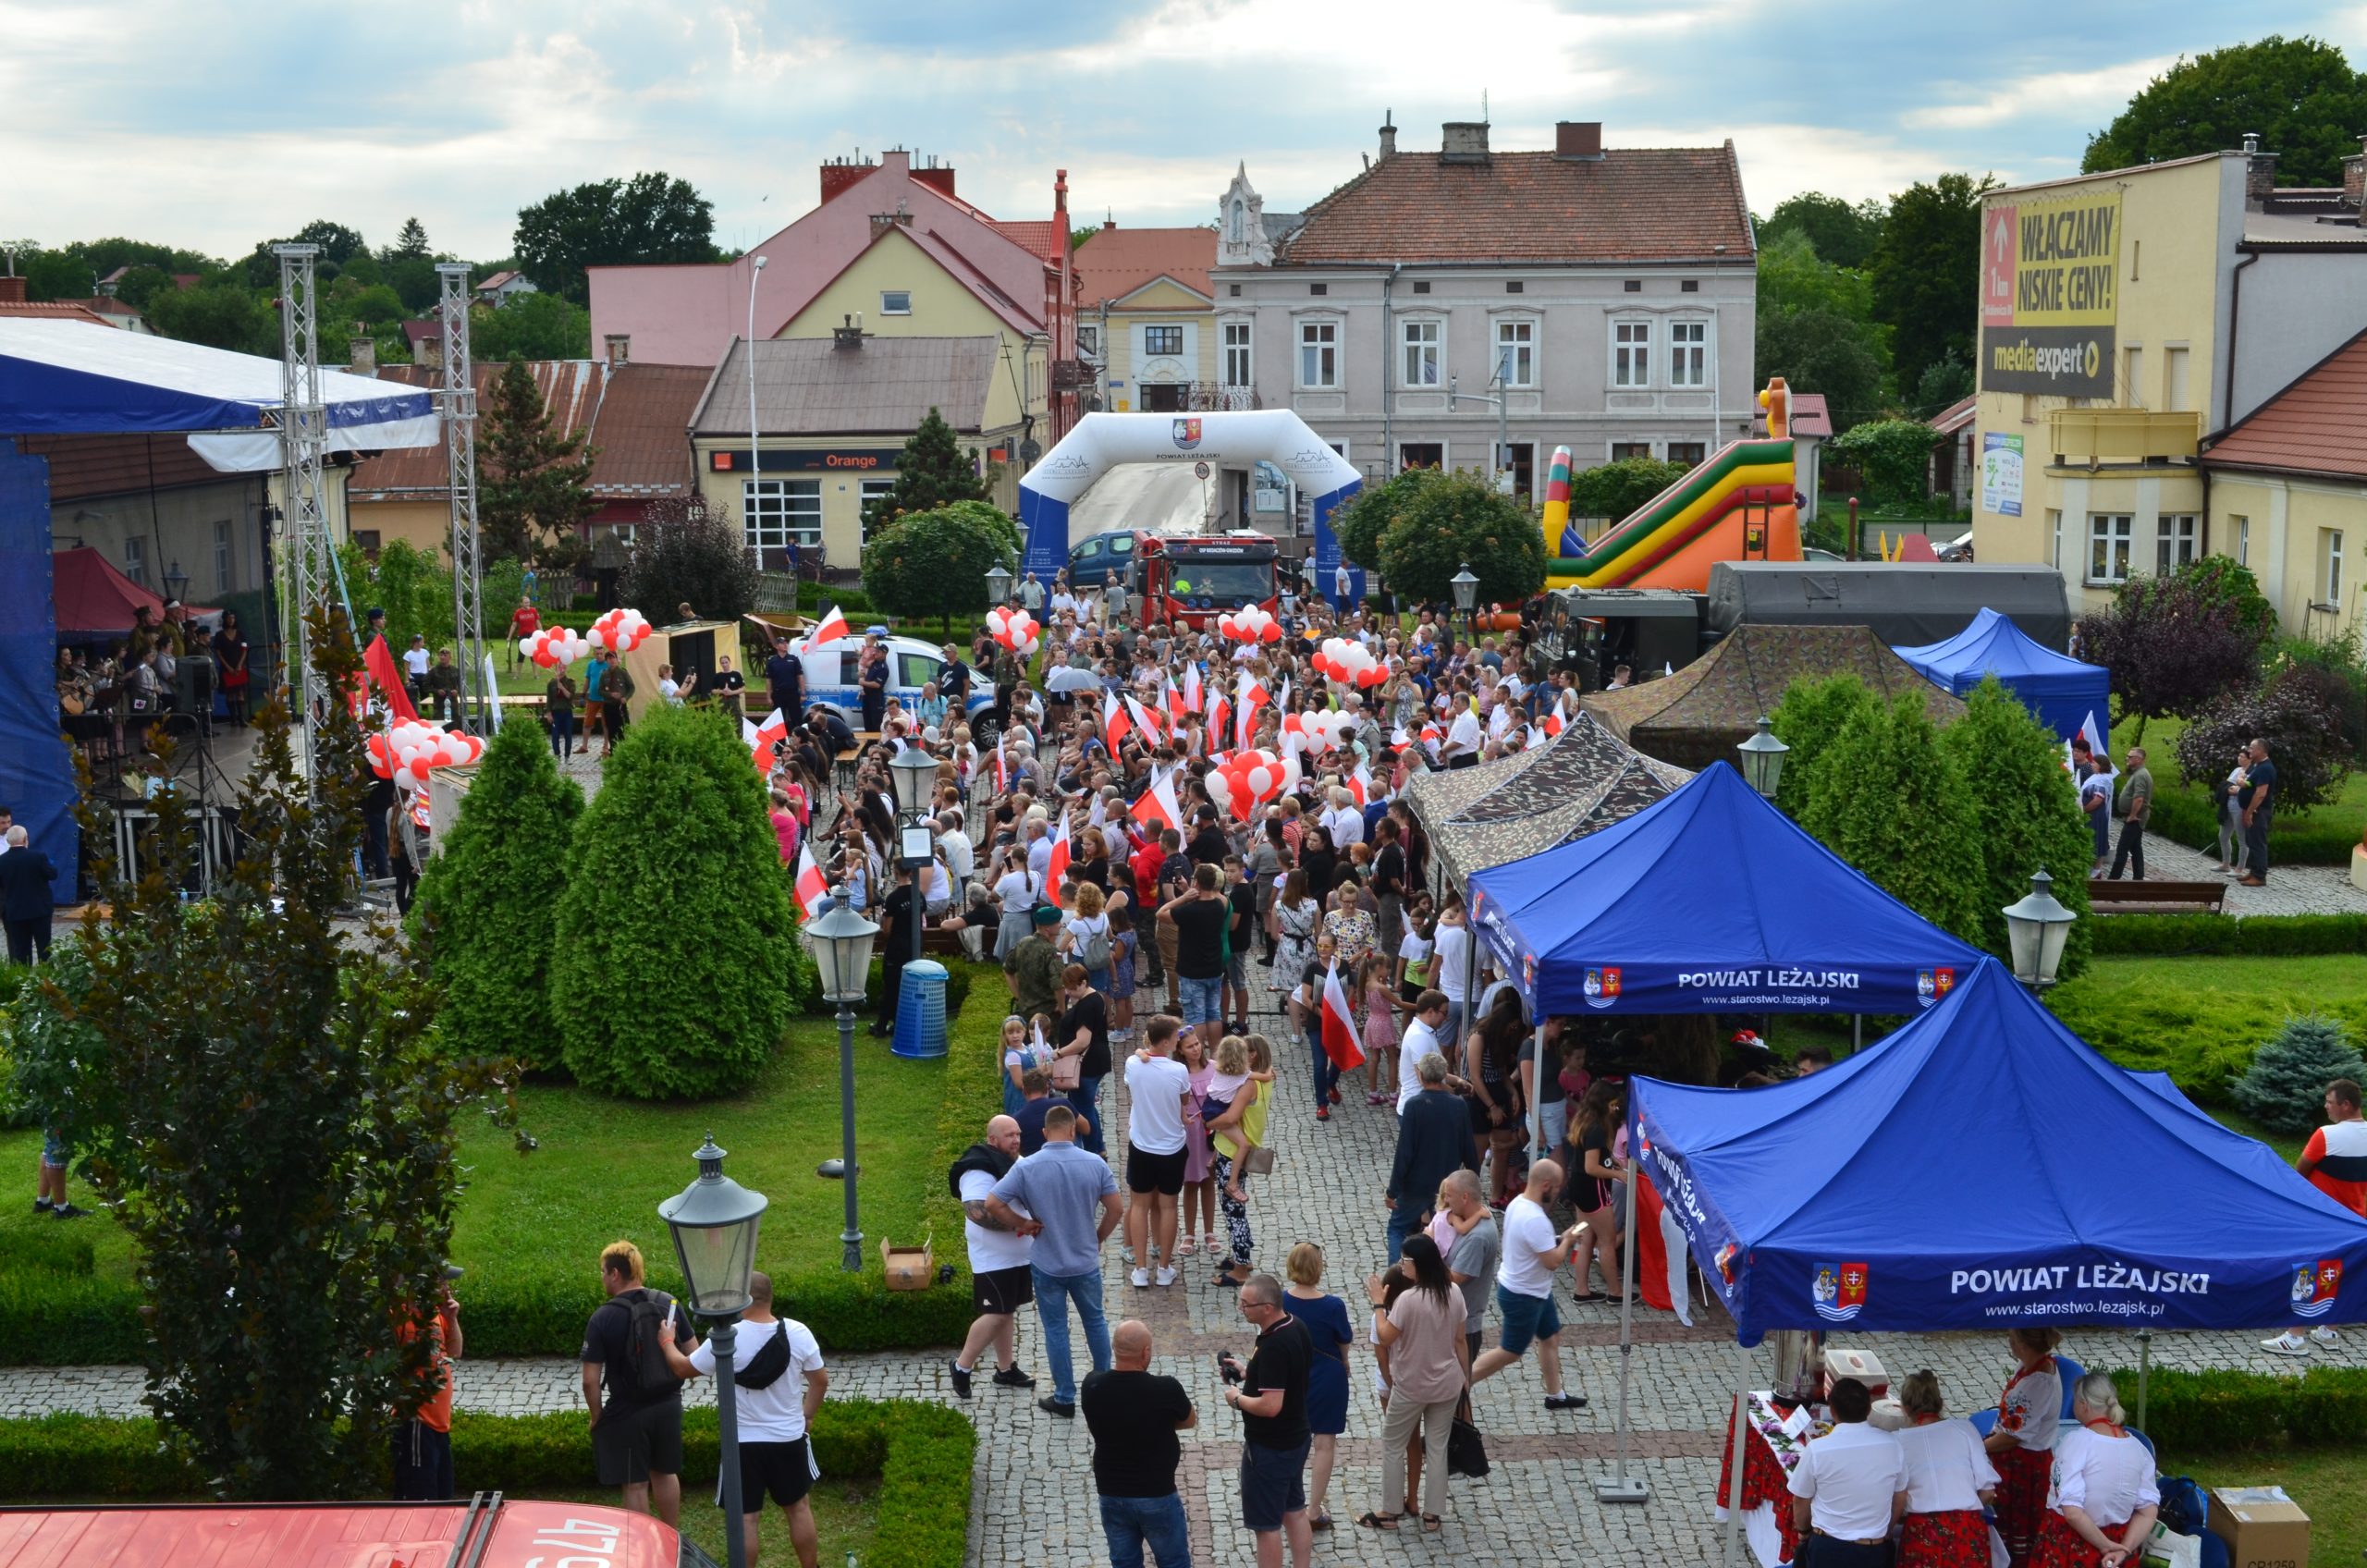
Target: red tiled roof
x,y
636,416
418,332
1116,262
1037,237
1809,416
1631,204
84,467
59,310
2309,427
497,280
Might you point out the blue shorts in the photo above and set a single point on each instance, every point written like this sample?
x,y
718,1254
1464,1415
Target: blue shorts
x,y
1527,1319
54,1152
1273,1483
1203,1000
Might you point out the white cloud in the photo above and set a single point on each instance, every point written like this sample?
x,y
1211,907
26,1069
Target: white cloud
x,y
2086,95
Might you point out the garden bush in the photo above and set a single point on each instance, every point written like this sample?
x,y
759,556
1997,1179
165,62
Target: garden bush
x,y
2284,1089
932,565
2028,817
2200,1020
2222,1409
1458,521
2265,936
1613,490
1887,798
672,971
2187,816
1360,523
1811,716
2298,711
488,904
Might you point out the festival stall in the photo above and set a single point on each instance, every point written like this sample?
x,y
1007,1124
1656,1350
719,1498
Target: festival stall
x,y
2064,692
1790,1197
97,605
1701,712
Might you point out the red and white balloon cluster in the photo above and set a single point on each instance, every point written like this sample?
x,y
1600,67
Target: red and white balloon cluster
x,y
1350,663
554,647
1249,624
409,751
1248,779
1014,629
1318,732
620,631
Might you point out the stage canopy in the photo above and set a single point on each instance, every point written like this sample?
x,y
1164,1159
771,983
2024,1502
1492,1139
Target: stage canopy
x,y
95,601
63,377
1982,1167
1710,901
2059,689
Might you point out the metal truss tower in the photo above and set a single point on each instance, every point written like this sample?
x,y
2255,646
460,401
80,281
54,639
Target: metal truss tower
x,y
310,553
459,398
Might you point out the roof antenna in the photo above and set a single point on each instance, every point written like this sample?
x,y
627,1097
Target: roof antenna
x,y
1483,106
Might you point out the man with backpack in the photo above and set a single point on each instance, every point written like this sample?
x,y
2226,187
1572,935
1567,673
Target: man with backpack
x,y
774,1413
637,1435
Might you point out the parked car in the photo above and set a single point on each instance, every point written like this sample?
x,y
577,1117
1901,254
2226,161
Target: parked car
x,y
831,682
1100,558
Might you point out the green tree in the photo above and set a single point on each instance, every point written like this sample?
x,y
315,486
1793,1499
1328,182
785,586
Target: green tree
x,y
269,1113
2221,579
1809,717
2175,646
140,285
1844,233
532,490
1616,489
1893,455
1360,523
931,471
411,243
338,245
413,278
677,840
410,584
56,274
2296,711
935,563
651,217
488,903
1887,799
221,315
1816,328
1944,381
1927,273
2027,813
1460,519
686,553
2284,1088
2300,94
537,327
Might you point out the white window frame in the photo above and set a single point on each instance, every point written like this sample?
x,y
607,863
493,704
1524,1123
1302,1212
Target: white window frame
x,y
886,295
1689,354
1319,337
2177,540
135,559
2115,533
2054,521
224,558
868,490
1088,341
2243,540
1238,365
1631,352
1421,349
2330,564
768,520
1516,339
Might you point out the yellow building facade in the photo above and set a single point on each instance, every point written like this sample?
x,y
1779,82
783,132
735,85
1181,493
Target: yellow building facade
x,y
1159,346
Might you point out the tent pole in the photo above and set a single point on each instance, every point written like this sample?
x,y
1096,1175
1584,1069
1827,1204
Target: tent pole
x,y
2144,1370
1742,1430
1536,1100
1624,1488
1856,1032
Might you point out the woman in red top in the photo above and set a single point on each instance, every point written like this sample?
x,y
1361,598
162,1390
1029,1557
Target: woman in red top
x,y
524,622
2022,1444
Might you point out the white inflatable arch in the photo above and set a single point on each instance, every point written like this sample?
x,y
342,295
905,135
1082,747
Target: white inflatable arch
x,y
1238,438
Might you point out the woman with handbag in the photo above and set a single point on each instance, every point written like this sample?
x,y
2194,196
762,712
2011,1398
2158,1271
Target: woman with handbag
x,y
1331,1332
1428,1370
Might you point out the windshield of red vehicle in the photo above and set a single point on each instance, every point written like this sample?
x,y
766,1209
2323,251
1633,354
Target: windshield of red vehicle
x,y
1231,583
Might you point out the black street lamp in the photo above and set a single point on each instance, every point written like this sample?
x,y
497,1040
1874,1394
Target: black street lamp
x,y
840,941
1762,759
714,1220
175,581
913,774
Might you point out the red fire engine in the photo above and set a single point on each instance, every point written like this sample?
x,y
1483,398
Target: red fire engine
x,y
1190,579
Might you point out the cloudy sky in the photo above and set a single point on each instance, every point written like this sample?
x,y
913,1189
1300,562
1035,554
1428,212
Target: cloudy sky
x,y
212,126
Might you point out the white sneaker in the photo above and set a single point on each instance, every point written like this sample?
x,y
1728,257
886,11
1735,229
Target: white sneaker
x,y
1166,1277
1140,1280
2286,1344
2325,1336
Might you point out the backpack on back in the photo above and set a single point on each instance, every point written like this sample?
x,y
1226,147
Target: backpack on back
x,y
1094,952
646,1315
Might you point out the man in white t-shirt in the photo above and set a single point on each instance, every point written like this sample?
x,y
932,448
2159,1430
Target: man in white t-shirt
x,y
1851,1485
1453,968
1534,1252
1158,1088
1421,1037
772,1419
416,663
1462,748
1001,1278
1346,823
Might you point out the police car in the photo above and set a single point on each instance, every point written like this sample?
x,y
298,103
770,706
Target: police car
x,y
833,682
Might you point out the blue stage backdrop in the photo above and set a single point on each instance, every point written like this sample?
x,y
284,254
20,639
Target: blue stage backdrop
x,y
36,769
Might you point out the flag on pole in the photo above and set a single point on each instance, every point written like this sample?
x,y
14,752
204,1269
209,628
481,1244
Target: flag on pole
x,y
1219,711
1058,862
1192,687
1115,725
1360,785
379,660
1339,1042
1159,807
829,628
811,889
1002,767
1172,697
1144,719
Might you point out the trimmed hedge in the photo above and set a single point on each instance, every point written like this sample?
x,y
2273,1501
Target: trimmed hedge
x,y
2186,816
2259,935
2222,1409
921,1452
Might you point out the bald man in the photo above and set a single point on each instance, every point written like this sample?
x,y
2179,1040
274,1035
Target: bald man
x,y
1133,1414
1001,1259
1533,1254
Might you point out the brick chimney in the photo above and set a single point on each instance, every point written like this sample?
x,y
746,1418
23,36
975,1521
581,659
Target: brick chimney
x,y
361,355
2354,178
2260,171
936,175
840,172
12,290
848,336
901,218
1577,139
1388,135
619,346
1464,141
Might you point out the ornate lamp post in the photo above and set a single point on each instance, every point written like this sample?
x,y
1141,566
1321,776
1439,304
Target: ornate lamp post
x,y
1466,588
714,1220
2036,928
998,584
1762,759
841,942
913,774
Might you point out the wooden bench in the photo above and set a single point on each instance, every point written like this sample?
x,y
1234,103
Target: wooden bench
x,y
2117,896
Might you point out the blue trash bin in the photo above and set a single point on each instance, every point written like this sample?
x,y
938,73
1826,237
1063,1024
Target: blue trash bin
x,y
920,1012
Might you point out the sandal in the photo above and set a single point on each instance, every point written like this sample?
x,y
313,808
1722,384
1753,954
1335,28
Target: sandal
x,y
1209,1243
1430,1521
1186,1247
1378,1520
1322,1521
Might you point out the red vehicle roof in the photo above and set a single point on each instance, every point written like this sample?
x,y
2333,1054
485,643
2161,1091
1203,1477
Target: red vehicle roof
x,y
329,1536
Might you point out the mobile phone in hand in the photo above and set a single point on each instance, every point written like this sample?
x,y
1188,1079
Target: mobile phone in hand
x,y
1228,1369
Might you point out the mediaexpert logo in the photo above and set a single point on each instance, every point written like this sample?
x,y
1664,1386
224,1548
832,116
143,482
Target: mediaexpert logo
x,y
1839,1290
2054,361
2315,1286
1602,987
1187,434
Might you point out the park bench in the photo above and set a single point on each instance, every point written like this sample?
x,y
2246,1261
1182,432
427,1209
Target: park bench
x,y
2155,897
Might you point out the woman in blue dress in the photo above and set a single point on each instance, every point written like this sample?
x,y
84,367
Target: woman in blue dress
x,y
1331,1332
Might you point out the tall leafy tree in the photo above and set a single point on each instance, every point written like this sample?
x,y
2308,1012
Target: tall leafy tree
x,y
269,1111
651,217
1892,455
1367,516
1889,800
338,245
2296,711
537,327
932,471
1927,273
2174,645
1811,716
1816,328
533,487
1844,232
221,315
935,563
2028,811
1460,519
2300,94
689,554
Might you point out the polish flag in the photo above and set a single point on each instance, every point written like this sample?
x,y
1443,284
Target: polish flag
x,y
1360,785
1244,718
379,661
1173,699
829,628
1219,711
811,889
1002,767
1059,861
1553,721
1339,1042
1144,719
1115,725
1192,687
1159,807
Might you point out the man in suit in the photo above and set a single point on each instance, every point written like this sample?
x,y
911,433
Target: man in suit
x,y
25,903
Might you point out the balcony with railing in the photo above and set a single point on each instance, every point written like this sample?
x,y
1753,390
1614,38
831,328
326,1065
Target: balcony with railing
x,y
2094,437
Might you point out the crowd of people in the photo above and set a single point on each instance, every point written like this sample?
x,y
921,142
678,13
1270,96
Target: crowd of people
x,y
168,664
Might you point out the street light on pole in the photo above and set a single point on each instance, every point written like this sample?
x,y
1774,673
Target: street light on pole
x,y
998,584
1762,759
913,774
841,942
1465,589
714,1221
755,464
2036,928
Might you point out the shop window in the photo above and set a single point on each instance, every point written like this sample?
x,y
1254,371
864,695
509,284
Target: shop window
x,y
775,513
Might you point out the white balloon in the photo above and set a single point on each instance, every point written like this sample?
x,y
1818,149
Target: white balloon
x,y
1261,781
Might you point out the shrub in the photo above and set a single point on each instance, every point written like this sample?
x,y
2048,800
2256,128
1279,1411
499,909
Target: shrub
x,y
672,976
488,905
2185,935
2222,1409
2222,580
2028,815
2187,816
688,554
934,564
2174,645
2287,1079
2296,711
2337,658
1811,715
1889,800
1360,523
1614,490
1456,520
1893,455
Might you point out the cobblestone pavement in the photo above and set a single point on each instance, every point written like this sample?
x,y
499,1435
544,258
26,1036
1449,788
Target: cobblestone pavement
x,y
1034,1502
2292,889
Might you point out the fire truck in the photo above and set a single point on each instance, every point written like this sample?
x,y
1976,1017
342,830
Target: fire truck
x,y
485,1531
1190,579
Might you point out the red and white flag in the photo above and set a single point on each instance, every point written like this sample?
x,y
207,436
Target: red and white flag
x,y
811,889
829,628
1553,720
1115,725
1144,719
1159,807
1002,767
378,660
1244,719
1058,862
1339,1042
1360,785
1192,687
1172,697
1219,711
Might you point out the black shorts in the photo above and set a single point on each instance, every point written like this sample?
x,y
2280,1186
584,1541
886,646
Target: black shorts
x,y
634,1442
782,1471
1004,1289
1147,1172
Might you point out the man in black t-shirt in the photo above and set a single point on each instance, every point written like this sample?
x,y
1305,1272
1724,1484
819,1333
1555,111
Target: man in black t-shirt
x,y
1208,846
1389,884
1133,1414
637,1435
2260,810
1199,919
1271,1399
895,947
785,680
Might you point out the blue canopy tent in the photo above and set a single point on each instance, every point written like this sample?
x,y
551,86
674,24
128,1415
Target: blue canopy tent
x,y
61,377
1838,1201
2059,689
1700,903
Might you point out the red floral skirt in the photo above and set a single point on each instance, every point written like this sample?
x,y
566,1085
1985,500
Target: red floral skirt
x,y
1957,1539
2059,1545
2022,1476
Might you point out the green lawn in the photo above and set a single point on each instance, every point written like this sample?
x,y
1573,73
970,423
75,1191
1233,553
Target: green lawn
x,y
2330,1485
2345,815
846,1517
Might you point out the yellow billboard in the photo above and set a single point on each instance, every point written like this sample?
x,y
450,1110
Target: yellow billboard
x,y
2050,276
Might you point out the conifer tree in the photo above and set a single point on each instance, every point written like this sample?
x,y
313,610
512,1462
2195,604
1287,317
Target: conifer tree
x,y
931,471
534,479
2284,1088
2028,811
1887,799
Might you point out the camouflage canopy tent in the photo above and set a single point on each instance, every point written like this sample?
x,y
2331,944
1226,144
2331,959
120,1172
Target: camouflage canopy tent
x,y
1699,714
1514,807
